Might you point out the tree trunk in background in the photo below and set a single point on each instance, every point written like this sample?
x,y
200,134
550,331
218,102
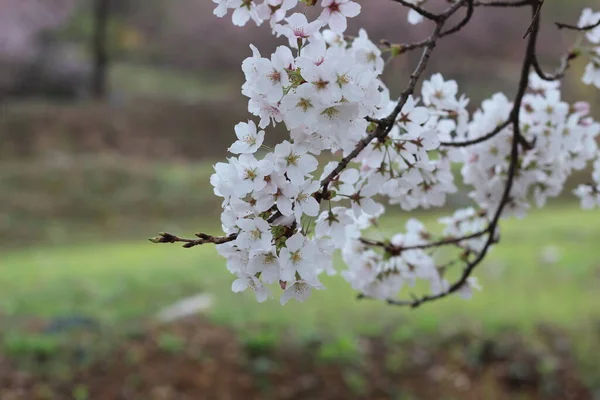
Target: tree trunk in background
x,y
100,48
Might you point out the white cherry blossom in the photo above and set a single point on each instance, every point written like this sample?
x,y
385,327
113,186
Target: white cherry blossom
x,y
245,282
335,13
299,290
298,257
297,29
294,161
255,236
589,18
249,139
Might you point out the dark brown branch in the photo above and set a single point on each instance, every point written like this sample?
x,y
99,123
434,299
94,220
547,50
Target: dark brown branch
x,y
405,47
420,10
480,139
559,73
397,250
164,237
566,60
561,25
536,17
463,22
502,3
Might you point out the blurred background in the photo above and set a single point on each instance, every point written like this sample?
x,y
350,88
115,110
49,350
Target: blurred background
x,y
112,113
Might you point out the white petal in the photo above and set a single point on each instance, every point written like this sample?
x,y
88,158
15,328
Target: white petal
x,y
239,285
350,9
295,242
337,22
285,206
311,207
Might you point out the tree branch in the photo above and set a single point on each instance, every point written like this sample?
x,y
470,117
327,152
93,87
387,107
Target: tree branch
x,y
480,139
164,237
520,3
584,28
514,157
420,10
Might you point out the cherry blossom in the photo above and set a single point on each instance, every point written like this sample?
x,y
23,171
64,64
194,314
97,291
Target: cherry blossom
x,y
589,18
297,29
299,290
592,71
249,139
255,235
275,10
244,10
294,161
242,283
335,13
304,202
221,9
298,258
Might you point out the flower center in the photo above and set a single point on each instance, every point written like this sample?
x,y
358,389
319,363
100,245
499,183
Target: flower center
x,y
299,32
334,7
404,118
249,139
302,197
301,288
304,104
331,112
274,76
270,259
296,257
343,80
250,174
292,159
321,84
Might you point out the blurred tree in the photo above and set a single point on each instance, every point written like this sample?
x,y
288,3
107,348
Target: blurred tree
x,y
100,48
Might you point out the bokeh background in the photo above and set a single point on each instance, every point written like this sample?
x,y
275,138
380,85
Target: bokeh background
x,y
112,113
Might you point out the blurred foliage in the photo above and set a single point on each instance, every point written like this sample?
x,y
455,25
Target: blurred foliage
x,y
123,37
66,199
124,282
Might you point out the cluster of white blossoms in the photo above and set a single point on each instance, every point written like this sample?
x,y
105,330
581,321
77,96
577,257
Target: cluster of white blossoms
x,y
591,47
287,219
563,138
334,12
590,193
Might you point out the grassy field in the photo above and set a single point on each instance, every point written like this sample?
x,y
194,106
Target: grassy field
x,y
544,276
120,281
74,249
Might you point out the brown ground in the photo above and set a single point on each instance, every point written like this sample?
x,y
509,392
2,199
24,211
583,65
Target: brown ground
x,y
195,359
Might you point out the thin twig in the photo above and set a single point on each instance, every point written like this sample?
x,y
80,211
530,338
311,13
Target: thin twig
x,y
419,10
521,3
584,28
535,18
480,139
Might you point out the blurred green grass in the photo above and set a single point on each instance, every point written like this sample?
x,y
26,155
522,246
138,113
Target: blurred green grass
x,y
122,282
98,198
